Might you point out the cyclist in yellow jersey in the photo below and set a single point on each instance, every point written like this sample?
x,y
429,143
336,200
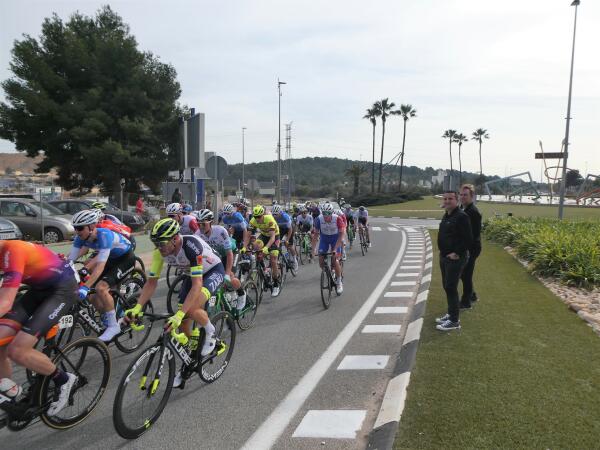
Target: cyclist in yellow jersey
x,y
269,235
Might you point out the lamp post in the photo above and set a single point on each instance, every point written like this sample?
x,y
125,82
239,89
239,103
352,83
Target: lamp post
x,y
243,165
563,184
279,83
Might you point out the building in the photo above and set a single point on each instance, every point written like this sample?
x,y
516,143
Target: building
x,y
439,178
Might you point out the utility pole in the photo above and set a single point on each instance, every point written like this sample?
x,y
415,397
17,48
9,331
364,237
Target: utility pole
x,y
243,165
563,184
288,157
279,83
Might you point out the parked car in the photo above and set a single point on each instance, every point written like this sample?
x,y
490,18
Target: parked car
x,y
9,230
27,215
72,206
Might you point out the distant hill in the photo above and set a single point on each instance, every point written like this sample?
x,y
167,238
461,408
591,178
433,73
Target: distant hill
x,y
18,162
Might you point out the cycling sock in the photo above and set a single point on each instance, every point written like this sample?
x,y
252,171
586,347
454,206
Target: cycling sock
x,y
59,377
240,291
111,318
209,328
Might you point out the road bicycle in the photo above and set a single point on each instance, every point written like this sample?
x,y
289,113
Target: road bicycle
x,y
146,385
351,231
303,247
172,273
88,358
362,237
328,278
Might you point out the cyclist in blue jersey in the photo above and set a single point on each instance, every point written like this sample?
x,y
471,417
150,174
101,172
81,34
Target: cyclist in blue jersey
x,y
286,230
234,219
113,261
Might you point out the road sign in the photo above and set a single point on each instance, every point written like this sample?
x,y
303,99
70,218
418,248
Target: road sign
x,y
220,171
557,155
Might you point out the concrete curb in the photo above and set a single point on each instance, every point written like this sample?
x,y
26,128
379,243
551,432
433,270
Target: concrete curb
x,y
386,425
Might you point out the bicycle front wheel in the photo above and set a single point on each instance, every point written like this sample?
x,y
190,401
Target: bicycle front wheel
x,y
87,358
325,289
143,391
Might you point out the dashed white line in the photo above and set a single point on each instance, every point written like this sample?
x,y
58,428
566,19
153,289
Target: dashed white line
x,y
333,424
403,283
391,310
398,294
381,329
408,274
364,362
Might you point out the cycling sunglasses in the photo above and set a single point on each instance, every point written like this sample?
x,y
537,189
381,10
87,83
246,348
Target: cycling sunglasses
x,y
80,227
327,213
161,244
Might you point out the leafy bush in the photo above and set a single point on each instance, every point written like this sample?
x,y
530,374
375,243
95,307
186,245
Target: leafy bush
x,y
384,198
566,250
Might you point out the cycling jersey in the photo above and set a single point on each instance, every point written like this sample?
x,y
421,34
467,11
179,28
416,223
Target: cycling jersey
x,y
219,240
304,220
235,220
267,225
329,228
283,220
363,214
194,254
188,225
33,265
116,227
110,245
315,212
113,219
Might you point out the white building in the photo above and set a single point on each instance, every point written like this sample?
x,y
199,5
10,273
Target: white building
x,y
439,178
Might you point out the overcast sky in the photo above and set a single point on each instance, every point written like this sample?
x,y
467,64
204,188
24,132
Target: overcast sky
x,y
463,64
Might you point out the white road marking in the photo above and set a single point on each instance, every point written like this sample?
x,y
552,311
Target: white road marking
x,y
408,274
274,425
410,230
363,362
391,310
410,267
413,331
398,294
392,229
403,283
376,228
381,329
333,424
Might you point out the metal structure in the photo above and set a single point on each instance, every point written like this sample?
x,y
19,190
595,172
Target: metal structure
x,y
593,194
279,83
288,159
517,191
243,164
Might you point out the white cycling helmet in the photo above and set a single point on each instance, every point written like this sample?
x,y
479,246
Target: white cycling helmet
x,y
276,209
174,208
205,215
86,217
338,212
228,208
327,207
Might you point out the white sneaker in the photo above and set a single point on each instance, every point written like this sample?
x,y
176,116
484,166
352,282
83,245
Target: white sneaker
x,y
275,291
369,245
110,333
63,396
344,256
209,345
178,380
241,302
339,288
295,263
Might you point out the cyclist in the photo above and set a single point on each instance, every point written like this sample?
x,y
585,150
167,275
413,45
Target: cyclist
x,y
331,229
206,275
52,292
234,219
218,238
286,230
339,213
269,235
102,207
187,222
112,262
314,212
349,214
304,222
363,220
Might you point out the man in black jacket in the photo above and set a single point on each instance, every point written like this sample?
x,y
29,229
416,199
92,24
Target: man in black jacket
x,y
454,241
467,195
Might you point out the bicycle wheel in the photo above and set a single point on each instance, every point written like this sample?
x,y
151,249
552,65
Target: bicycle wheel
x,y
139,264
89,359
143,391
247,316
213,365
289,260
171,274
361,236
301,255
325,288
130,340
173,294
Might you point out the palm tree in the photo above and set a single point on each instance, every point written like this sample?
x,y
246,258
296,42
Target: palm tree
x,y
449,134
460,139
355,171
479,135
406,111
372,114
384,107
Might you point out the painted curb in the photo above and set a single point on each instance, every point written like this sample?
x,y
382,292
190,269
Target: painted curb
x,y
386,424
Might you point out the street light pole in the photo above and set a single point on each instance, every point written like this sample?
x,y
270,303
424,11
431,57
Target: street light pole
x,y
243,165
563,184
279,83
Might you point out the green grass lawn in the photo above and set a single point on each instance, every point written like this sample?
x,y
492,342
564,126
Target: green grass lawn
x,y
430,207
522,373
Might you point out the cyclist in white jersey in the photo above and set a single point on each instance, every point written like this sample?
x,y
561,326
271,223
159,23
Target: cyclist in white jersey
x,y
363,220
187,222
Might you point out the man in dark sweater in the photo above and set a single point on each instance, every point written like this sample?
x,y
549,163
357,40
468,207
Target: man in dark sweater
x,y
454,241
467,195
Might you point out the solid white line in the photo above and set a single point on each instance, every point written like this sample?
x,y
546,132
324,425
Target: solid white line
x,y
413,331
269,431
393,400
391,310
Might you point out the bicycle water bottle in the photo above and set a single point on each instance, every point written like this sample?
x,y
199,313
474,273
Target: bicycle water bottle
x,y
252,261
9,388
194,339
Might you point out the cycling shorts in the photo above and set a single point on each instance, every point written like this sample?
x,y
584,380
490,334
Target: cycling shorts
x,y
211,280
265,241
304,228
238,235
327,242
362,221
118,268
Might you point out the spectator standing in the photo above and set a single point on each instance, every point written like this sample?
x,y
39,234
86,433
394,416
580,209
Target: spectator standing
x,y
139,206
176,198
454,241
467,196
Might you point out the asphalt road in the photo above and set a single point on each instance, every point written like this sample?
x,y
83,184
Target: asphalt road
x,y
291,334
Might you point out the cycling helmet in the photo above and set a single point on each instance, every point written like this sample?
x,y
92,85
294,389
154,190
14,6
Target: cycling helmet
x,y
228,208
86,217
276,209
98,205
174,208
362,208
327,207
303,210
164,229
258,210
205,215
338,212
347,205
187,209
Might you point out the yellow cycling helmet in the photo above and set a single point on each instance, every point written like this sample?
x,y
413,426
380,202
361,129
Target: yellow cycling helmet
x,y
164,229
258,210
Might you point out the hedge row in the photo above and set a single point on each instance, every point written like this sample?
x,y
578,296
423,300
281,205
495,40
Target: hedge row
x,y
568,251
